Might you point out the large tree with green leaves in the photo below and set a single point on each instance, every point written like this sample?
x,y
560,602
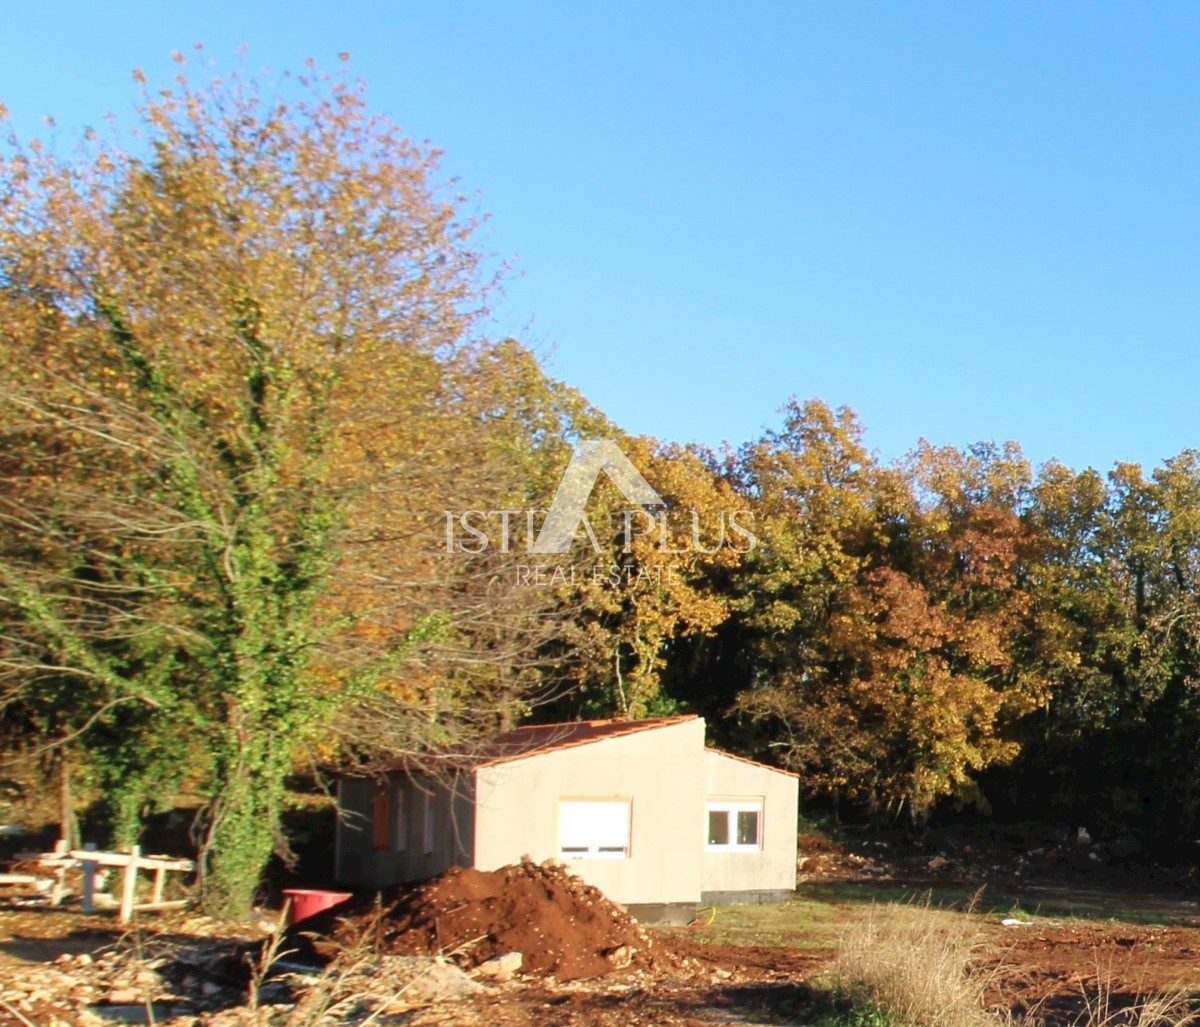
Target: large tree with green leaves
x,y
244,380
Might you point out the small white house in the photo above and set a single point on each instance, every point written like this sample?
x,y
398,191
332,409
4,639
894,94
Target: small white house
x,y
641,809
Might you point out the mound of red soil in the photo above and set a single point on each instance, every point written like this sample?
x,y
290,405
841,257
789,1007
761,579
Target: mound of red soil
x,y
559,924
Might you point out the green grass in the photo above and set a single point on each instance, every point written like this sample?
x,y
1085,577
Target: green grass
x,y
868,1015
1043,902
818,913
798,923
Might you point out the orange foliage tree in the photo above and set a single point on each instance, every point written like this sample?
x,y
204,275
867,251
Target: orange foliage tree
x,y
245,378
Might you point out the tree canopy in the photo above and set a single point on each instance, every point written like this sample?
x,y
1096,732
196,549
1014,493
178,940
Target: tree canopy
x,y
251,390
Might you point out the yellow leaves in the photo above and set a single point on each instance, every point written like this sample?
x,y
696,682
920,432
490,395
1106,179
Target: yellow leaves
x,y
897,623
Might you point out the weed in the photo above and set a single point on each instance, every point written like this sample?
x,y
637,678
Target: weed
x,y
270,953
910,965
1170,1008
868,1015
913,966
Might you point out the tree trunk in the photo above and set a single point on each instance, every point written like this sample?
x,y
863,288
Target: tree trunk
x,y
70,822
242,825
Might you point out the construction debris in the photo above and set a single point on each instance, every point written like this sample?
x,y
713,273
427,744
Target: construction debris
x,y
500,968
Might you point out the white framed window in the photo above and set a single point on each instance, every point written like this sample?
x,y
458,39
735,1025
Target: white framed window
x,y
735,825
594,828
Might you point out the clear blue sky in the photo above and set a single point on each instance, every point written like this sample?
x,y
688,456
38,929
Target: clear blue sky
x,y
963,220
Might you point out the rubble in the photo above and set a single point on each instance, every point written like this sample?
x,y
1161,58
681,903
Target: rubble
x,y
419,980
461,936
500,968
172,977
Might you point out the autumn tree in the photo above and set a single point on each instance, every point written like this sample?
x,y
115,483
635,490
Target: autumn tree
x,y
890,614
245,380
814,486
649,579
1119,571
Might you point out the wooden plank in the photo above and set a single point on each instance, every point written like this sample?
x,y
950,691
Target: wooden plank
x,y
89,881
60,889
154,862
121,859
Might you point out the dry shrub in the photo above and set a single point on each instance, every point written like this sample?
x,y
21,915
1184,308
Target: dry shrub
x,y
916,965
910,965
1172,1007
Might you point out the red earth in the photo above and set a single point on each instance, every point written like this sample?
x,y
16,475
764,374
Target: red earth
x,y
587,962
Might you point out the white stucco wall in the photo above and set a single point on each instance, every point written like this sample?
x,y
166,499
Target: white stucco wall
x,y
660,771
773,868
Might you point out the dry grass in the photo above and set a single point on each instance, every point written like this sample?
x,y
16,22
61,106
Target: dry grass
x,y
1170,1008
910,965
916,966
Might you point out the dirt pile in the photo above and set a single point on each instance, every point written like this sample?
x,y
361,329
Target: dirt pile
x,y
559,924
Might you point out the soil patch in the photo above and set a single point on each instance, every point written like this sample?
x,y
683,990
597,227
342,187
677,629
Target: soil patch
x,y
1051,967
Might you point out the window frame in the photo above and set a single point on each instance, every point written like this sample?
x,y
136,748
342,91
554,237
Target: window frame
x,y
731,807
597,851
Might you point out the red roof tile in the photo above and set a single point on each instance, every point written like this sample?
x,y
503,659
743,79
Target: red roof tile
x,y
533,740
753,763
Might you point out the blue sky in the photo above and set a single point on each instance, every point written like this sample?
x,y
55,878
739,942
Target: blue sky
x,y
965,221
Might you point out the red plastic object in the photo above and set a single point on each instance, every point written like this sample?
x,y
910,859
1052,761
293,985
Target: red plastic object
x,y
306,902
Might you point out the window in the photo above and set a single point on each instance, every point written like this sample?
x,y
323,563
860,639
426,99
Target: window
x,y
380,820
593,828
735,825
428,818
401,840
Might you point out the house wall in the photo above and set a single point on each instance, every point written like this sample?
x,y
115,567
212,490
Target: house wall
x,y
768,874
660,771
406,856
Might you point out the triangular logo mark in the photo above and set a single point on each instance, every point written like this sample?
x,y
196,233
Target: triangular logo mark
x,y
591,456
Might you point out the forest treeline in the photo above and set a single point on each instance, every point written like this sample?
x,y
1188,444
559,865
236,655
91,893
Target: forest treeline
x,y
249,397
